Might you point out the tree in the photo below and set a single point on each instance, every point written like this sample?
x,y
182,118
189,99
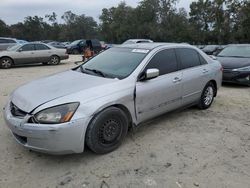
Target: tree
x,y
4,29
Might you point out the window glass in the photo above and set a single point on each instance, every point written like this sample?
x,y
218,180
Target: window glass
x,y
188,58
28,47
202,60
165,61
7,41
41,47
117,62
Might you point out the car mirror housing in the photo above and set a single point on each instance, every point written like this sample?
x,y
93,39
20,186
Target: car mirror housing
x,y
149,74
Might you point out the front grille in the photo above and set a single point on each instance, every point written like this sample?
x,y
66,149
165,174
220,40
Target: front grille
x,y
15,111
21,139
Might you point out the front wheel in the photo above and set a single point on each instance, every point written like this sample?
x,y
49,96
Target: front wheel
x,y
207,96
54,60
107,130
6,63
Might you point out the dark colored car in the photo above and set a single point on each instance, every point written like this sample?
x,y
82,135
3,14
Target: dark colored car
x,y
235,60
78,46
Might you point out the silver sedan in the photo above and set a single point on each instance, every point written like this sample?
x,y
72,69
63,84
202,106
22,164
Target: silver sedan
x,y
94,104
31,53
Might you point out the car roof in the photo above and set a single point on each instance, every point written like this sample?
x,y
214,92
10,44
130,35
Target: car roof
x,y
151,46
248,45
8,38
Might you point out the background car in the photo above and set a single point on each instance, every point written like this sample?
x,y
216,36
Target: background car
x,y
78,46
134,41
57,45
235,60
31,53
5,43
210,49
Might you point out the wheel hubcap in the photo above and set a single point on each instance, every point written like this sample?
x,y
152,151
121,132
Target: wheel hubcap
x,y
109,131
54,60
6,63
208,96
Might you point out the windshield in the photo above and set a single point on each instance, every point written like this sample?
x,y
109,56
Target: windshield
x,y
116,62
14,48
75,42
235,51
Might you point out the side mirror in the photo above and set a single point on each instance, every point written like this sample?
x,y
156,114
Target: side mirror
x,y
20,50
149,74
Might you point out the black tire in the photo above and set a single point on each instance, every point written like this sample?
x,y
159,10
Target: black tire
x,y
107,130
207,96
54,60
6,63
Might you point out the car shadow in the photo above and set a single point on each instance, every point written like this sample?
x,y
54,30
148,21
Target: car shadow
x,y
233,85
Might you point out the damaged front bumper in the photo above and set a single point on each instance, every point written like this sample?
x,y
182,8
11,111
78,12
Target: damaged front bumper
x,y
63,138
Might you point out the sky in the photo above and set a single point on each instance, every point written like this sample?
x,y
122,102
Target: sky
x,y
13,11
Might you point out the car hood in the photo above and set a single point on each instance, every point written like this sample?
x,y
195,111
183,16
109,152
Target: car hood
x,y
233,62
31,95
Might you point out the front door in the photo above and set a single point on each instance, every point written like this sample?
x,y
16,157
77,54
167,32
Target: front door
x,y
162,94
25,54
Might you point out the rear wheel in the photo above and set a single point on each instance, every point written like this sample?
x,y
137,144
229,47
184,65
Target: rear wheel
x,y
107,130
54,60
207,96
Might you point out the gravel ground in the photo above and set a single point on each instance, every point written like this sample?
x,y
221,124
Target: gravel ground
x,y
188,148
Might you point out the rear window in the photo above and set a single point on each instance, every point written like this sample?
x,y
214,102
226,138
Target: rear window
x,y
41,47
188,58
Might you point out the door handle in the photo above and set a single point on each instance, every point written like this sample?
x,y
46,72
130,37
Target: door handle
x,y
177,79
205,71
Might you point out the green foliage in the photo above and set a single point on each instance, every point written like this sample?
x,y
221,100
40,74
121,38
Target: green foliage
x,y
209,21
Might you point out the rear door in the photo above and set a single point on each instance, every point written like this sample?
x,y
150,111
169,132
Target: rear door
x,y
42,53
162,94
195,74
25,54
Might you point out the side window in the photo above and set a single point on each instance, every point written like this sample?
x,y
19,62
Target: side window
x,y
188,58
82,43
202,60
7,41
165,61
96,43
10,41
28,47
41,47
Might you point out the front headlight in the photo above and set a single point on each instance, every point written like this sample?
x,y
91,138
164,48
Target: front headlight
x,y
57,114
242,69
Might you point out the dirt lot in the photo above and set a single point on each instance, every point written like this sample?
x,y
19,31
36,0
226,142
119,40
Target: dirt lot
x,y
190,148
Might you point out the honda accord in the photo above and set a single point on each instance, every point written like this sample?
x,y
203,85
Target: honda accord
x,y
95,103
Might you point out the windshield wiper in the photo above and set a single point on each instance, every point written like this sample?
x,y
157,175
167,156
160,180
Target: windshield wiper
x,y
96,72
